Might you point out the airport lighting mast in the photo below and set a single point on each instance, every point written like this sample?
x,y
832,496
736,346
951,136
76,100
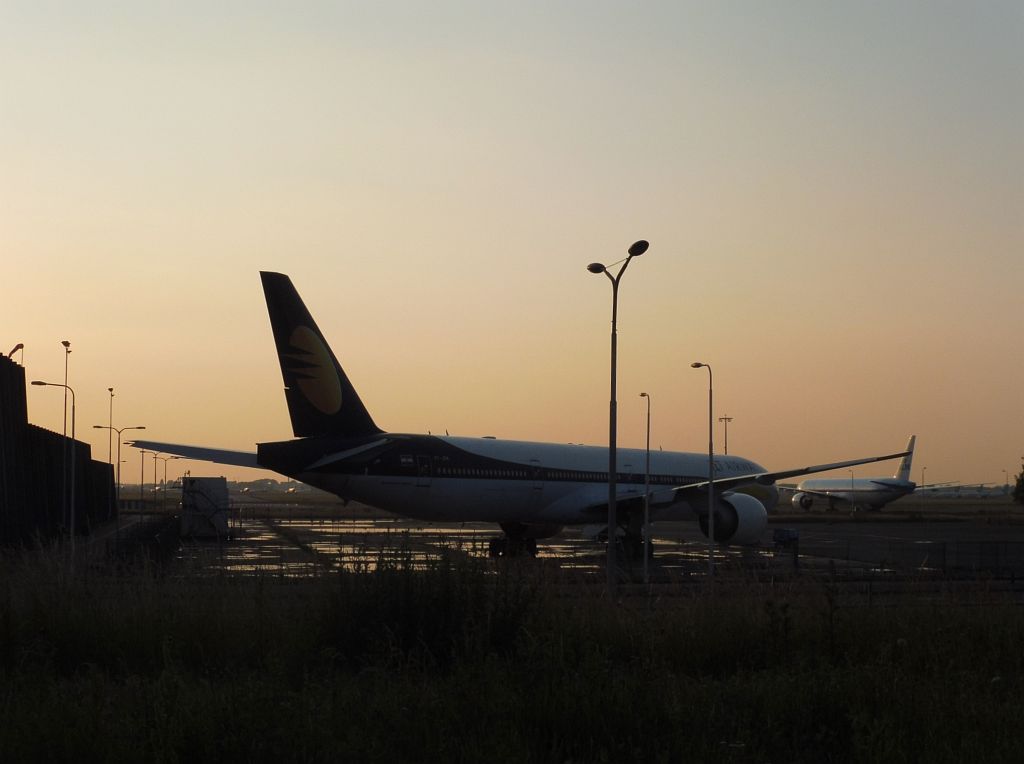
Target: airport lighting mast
x,y
635,250
647,492
725,420
142,475
163,491
118,430
68,501
69,498
711,469
110,434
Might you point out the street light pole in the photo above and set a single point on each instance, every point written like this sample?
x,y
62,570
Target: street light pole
x,y
163,490
142,475
64,456
726,420
635,250
118,430
711,468
110,435
155,455
66,448
647,492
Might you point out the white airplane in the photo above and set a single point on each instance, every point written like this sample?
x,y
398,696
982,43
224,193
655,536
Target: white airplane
x,y
531,490
872,493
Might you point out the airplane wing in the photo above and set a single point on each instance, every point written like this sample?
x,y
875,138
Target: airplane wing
x,y
697,492
200,453
769,478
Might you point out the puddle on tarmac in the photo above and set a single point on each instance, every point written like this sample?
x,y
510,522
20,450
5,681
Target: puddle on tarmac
x,y
300,547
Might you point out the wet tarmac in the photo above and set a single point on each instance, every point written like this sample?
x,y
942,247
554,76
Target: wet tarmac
x,y
291,546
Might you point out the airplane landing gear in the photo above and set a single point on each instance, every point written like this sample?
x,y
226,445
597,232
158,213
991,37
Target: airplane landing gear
x,y
510,546
514,542
633,542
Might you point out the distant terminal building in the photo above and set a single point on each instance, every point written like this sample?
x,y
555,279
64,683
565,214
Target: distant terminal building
x,y
35,466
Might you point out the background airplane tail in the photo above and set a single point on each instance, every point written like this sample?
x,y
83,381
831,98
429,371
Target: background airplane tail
x,y
321,400
903,470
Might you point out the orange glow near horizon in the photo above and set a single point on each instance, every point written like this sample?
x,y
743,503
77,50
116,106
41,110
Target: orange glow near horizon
x,y
837,231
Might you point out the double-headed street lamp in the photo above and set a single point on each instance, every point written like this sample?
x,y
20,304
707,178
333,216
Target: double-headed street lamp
x,y
635,250
118,430
711,469
165,460
726,420
647,492
68,499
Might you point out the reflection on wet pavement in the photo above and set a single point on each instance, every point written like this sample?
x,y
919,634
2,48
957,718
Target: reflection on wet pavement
x,y
291,546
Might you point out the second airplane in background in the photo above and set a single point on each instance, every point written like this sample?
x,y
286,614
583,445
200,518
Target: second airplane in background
x,y
868,493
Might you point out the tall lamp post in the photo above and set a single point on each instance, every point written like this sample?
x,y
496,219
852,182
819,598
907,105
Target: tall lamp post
x,y
142,475
725,420
155,484
647,492
118,430
635,250
711,468
165,459
69,499
64,455
110,435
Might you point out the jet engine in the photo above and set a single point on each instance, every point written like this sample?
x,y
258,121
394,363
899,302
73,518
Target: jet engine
x,y
739,519
802,500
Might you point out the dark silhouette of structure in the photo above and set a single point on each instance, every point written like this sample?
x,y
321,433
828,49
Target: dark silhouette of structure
x,y
32,508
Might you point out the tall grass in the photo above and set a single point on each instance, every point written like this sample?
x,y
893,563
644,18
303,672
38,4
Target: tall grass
x,y
456,662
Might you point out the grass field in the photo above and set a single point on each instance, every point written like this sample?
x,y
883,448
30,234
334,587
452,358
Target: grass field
x,y
471,660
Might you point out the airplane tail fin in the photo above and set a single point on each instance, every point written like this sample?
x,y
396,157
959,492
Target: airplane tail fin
x,y
903,470
321,400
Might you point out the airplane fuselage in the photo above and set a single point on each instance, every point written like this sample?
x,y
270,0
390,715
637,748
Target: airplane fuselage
x,y
452,479
864,492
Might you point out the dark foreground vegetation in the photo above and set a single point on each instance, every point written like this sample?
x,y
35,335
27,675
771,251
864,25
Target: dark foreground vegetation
x,y
460,663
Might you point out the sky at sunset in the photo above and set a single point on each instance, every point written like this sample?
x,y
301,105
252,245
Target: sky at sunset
x,y
833,193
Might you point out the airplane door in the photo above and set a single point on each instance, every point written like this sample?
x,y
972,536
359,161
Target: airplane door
x,y
423,471
536,483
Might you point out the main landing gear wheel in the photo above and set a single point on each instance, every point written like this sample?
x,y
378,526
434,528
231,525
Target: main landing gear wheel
x,y
510,546
632,543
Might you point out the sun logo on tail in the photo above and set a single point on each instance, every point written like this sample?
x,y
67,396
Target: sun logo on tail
x,y
313,370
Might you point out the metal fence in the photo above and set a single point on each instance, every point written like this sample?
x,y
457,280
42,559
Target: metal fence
x,y
951,557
